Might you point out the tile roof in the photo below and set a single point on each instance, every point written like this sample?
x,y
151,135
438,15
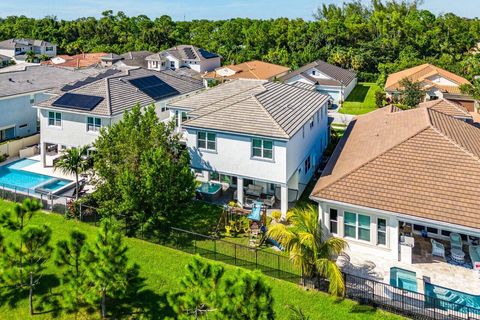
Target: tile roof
x,y
252,107
420,74
184,52
81,60
37,78
135,58
448,107
420,162
338,76
120,95
12,43
250,70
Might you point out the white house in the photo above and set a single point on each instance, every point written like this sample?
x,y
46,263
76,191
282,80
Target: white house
x,y
397,177
197,59
21,89
257,135
17,48
74,118
326,78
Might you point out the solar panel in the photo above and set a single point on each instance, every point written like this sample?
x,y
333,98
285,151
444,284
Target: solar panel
x,y
189,53
77,101
154,87
206,54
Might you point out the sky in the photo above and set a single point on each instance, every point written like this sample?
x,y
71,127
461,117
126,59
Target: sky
x,y
209,9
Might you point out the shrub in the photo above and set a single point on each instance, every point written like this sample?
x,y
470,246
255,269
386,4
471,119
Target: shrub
x,y
380,98
3,157
276,215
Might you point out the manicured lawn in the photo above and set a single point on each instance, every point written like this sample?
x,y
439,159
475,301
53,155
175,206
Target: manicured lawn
x,y
361,100
163,267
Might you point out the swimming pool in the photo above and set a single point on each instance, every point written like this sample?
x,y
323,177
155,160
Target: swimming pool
x,y
12,176
403,279
449,299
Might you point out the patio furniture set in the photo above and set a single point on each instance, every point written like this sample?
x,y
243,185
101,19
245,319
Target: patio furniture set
x,y
254,193
456,250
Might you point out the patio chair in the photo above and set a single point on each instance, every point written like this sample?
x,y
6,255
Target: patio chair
x,y
456,241
438,249
270,201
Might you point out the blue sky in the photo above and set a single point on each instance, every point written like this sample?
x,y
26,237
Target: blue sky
x,y
209,9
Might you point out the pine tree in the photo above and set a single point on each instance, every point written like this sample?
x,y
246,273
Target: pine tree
x,y
73,256
110,276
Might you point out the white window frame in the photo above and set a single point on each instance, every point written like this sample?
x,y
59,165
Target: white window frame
x,y
57,119
93,126
331,220
207,141
382,231
357,226
262,149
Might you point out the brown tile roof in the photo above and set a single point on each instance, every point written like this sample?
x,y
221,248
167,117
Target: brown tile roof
x,y
255,69
419,162
447,107
421,73
81,60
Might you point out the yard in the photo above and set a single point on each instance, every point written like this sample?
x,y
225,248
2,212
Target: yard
x,y
162,268
361,100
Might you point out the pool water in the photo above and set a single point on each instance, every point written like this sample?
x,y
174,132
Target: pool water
x,y
209,187
12,176
452,299
403,279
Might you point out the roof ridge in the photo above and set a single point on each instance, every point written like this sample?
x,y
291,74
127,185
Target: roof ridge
x,y
268,113
370,160
107,95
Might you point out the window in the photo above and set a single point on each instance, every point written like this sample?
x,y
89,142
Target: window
x,y
446,233
7,134
184,116
334,221
262,148
94,124
432,230
381,231
357,226
207,140
311,123
314,72
32,99
172,64
54,119
48,49
307,164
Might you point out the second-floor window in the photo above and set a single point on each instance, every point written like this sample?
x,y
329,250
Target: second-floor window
x,y
54,119
207,140
262,148
307,164
172,64
93,124
48,49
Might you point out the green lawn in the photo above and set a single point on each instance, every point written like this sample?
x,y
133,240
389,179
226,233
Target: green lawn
x,y
361,100
162,268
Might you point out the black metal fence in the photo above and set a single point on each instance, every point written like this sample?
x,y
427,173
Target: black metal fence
x,y
366,291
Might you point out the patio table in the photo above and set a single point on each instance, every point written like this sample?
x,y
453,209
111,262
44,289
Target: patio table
x,y
458,255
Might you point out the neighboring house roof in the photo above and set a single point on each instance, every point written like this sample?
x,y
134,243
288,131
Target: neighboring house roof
x,y
338,76
12,43
110,57
2,57
184,52
81,60
252,107
135,58
421,73
448,107
250,70
119,94
421,163
38,78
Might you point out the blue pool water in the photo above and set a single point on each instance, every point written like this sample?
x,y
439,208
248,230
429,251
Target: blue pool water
x,y
209,187
452,299
403,279
12,176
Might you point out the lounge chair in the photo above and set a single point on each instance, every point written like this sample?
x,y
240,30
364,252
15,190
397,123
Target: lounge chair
x,y
254,190
474,252
270,201
456,241
438,249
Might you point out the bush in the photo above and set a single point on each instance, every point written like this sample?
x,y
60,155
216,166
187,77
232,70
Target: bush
x,y
380,98
276,215
3,157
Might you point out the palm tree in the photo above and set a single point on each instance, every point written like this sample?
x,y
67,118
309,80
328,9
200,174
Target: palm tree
x,y
310,248
73,161
30,56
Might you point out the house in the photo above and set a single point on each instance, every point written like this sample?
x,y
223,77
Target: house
x,y
133,59
74,118
248,70
197,59
327,78
448,107
436,82
397,174
4,61
17,48
264,138
82,60
20,89
109,59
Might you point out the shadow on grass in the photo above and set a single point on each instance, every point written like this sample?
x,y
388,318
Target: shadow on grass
x,y
201,217
359,93
361,308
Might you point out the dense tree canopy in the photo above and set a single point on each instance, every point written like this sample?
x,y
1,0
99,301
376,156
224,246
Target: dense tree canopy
x,y
375,40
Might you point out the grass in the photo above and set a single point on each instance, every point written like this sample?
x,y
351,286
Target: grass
x,y
162,268
361,100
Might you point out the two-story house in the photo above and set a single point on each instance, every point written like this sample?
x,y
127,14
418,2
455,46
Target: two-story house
x,y
17,48
74,118
21,89
255,133
197,59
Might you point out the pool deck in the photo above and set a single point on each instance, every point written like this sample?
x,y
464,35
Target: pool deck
x,y
38,168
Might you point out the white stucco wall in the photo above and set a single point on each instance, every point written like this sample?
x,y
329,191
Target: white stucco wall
x,y
441,80
210,64
348,89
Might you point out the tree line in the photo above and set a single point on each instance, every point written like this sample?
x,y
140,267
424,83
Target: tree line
x,y
374,39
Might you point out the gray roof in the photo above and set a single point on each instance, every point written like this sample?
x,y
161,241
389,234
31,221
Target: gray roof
x,y
11,43
303,85
111,57
252,107
339,76
135,58
3,57
184,52
120,95
38,78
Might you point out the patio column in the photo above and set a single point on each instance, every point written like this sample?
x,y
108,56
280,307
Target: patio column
x,y
284,201
240,191
394,238
324,216
43,154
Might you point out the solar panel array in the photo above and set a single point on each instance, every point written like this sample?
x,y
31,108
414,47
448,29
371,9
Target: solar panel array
x,y
77,101
189,53
154,87
206,54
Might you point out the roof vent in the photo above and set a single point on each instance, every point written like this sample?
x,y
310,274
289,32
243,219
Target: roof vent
x,y
11,80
